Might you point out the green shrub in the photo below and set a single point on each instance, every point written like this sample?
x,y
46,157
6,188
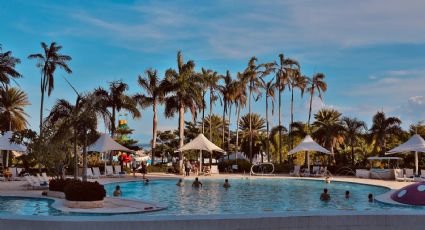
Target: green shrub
x,y
84,191
243,165
59,184
158,168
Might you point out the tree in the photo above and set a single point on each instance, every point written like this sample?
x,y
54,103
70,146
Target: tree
x,y
154,96
12,104
317,84
253,75
211,81
382,128
297,81
353,130
240,102
81,117
117,100
48,62
329,130
284,68
227,91
7,67
183,91
251,126
269,89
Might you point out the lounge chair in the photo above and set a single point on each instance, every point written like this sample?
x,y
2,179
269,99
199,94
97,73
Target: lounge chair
x,y
96,172
110,172
296,171
399,175
90,174
34,184
42,180
214,169
410,176
45,177
316,171
118,170
15,174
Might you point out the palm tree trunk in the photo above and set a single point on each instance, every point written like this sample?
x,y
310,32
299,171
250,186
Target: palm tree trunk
x,y
112,133
223,132
228,129
203,112
280,125
352,155
250,123
292,117
84,176
42,106
267,126
181,135
238,108
309,111
75,154
154,130
211,105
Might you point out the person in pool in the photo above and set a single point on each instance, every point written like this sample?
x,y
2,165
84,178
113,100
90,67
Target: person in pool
x,y
180,183
327,180
117,191
196,183
147,181
226,183
347,194
325,195
370,197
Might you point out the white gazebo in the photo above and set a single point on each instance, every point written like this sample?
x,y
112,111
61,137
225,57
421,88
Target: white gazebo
x,y
6,144
415,144
201,143
308,144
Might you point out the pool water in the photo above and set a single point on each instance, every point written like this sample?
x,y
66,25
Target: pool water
x,y
27,206
252,196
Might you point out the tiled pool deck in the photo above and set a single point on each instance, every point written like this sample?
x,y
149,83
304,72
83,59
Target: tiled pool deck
x,y
291,220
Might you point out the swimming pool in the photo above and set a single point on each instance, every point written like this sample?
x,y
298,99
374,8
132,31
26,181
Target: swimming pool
x,y
254,196
27,206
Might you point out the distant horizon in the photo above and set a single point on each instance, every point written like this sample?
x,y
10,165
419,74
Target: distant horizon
x,y
373,59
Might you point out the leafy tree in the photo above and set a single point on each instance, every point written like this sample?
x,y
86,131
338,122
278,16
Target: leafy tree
x,y
353,131
317,84
7,67
269,89
12,104
251,129
382,128
48,62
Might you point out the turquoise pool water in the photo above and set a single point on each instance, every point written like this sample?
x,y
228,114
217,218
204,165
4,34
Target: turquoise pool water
x,y
27,206
253,196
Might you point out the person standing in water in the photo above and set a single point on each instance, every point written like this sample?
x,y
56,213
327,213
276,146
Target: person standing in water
x,y
226,183
180,183
325,195
196,183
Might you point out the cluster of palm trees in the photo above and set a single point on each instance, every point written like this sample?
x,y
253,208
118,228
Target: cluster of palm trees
x,y
184,89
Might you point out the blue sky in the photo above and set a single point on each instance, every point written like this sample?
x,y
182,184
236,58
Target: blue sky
x,y
372,52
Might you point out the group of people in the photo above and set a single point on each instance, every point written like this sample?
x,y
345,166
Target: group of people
x,y
197,184
143,168
326,197
118,192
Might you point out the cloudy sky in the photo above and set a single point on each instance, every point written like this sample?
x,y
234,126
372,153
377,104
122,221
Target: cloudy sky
x,y
372,52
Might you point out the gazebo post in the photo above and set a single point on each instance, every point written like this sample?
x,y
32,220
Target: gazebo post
x,y
416,163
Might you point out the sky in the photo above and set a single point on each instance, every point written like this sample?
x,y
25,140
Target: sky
x,y
372,52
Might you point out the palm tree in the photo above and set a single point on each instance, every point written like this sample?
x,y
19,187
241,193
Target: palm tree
x,y
227,93
274,140
382,128
269,88
329,130
153,97
212,79
184,91
117,100
317,83
297,81
12,104
353,129
253,76
7,67
81,117
204,75
240,102
48,62
216,124
251,126
284,68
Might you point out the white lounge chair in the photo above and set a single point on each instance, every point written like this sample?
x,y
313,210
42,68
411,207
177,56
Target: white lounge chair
x,y
118,170
408,173
110,172
399,175
41,180
34,183
90,174
45,177
296,171
96,172
423,173
316,171
14,172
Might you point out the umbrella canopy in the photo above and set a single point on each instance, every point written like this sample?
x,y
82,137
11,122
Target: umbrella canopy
x,y
5,143
105,143
308,145
201,143
415,144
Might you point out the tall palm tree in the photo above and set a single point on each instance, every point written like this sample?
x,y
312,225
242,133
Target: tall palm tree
x,y
240,102
116,99
12,104
317,84
329,130
284,67
154,96
353,129
227,93
212,79
183,91
81,117
48,62
253,76
7,67
300,82
204,76
382,128
269,88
